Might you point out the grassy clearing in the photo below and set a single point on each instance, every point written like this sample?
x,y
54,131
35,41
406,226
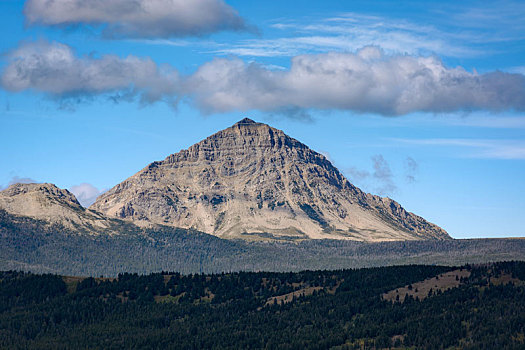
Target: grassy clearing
x,y
426,288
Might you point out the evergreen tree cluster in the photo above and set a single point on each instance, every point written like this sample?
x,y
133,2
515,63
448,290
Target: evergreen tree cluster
x,y
230,310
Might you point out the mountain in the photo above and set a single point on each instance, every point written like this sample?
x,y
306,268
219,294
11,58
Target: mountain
x,y
47,202
254,182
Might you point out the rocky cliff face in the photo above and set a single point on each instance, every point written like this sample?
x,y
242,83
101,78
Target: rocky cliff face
x,y
49,203
252,181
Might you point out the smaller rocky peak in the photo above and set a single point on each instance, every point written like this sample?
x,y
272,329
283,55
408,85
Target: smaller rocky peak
x,y
21,188
45,191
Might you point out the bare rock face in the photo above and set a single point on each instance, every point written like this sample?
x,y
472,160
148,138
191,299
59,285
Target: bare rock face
x,y
252,181
49,203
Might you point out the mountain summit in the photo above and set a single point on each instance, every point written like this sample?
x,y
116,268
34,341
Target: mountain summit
x,y
253,181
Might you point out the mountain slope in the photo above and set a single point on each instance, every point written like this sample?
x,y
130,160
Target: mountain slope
x,y
252,181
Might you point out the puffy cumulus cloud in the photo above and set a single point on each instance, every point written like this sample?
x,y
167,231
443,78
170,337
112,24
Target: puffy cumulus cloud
x,y
54,69
138,18
86,193
367,81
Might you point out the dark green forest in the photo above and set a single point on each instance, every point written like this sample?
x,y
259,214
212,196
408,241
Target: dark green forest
x,y
32,245
339,309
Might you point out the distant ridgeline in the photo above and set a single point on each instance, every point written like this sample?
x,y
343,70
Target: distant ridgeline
x,y
34,245
472,307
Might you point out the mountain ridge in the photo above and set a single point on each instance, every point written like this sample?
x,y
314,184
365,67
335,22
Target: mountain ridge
x,y
250,181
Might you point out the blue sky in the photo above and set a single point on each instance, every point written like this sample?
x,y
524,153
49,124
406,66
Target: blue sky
x,y
419,101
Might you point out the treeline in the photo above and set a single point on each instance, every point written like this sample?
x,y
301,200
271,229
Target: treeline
x,y
231,310
33,245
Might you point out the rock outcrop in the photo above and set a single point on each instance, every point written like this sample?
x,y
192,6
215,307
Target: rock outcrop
x,y
252,181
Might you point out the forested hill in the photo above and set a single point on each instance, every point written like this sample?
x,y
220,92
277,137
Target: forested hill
x,y
473,307
32,245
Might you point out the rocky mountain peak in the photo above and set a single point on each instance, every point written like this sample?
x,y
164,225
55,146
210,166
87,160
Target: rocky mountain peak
x,y
44,193
253,181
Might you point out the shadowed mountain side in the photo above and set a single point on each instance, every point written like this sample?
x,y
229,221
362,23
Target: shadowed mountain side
x,y
252,181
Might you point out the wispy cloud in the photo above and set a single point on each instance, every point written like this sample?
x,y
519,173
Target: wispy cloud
x,y
517,69
357,175
351,31
161,42
379,180
16,180
411,168
383,175
478,148
457,30
501,17
487,121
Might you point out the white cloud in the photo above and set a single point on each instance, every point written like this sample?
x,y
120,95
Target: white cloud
x,y
138,18
86,193
54,69
367,81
